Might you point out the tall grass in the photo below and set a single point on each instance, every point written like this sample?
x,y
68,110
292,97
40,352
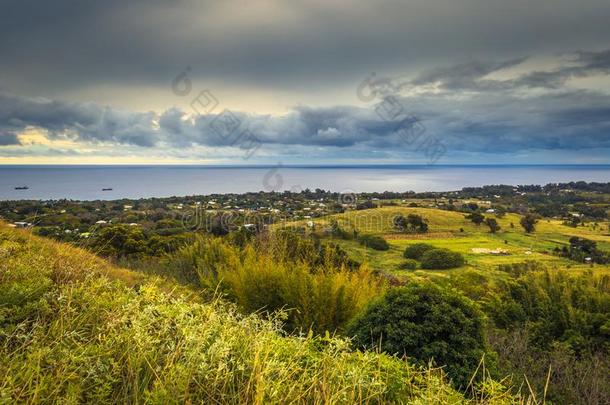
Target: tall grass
x,y
321,298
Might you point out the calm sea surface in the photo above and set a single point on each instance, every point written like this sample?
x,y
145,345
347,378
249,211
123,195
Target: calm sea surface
x,y
87,182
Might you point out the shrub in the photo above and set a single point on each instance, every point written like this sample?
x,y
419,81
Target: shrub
x,y
374,242
409,264
365,205
441,259
424,322
417,250
320,298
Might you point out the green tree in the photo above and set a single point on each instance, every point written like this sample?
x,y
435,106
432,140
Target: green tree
x,y
476,217
492,224
528,222
412,223
120,241
424,323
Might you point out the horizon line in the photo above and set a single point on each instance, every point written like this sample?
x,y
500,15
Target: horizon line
x,y
294,165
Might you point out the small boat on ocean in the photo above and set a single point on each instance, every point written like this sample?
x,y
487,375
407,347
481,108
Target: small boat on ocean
x,y
22,188
106,189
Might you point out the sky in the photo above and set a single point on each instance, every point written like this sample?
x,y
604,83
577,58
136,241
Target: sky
x,y
305,82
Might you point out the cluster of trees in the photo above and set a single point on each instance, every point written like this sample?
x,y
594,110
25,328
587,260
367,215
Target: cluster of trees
x,y
477,218
124,241
431,257
548,325
411,223
583,250
528,221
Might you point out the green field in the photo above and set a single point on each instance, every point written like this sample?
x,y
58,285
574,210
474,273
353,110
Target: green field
x,y
451,230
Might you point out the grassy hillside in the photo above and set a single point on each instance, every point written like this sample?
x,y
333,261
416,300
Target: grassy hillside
x,y
75,329
450,229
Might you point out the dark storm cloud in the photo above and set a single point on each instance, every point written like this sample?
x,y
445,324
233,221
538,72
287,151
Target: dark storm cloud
x,y
8,138
66,44
488,123
332,126
80,121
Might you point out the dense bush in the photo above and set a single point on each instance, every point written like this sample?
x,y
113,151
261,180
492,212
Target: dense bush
x,y
374,242
409,264
417,250
424,323
575,378
441,259
557,319
554,305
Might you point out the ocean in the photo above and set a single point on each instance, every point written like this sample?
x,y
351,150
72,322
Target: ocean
x,y
87,182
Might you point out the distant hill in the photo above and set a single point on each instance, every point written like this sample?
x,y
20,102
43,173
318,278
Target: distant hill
x,y
451,229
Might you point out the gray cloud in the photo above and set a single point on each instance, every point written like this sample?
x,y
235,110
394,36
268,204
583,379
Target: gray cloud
x,y
488,122
64,45
8,138
80,121
472,75
466,76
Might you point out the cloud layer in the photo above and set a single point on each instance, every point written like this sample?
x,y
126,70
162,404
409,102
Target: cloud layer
x,y
484,77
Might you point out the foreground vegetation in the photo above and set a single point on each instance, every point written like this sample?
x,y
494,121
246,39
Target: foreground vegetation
x,y
74,329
